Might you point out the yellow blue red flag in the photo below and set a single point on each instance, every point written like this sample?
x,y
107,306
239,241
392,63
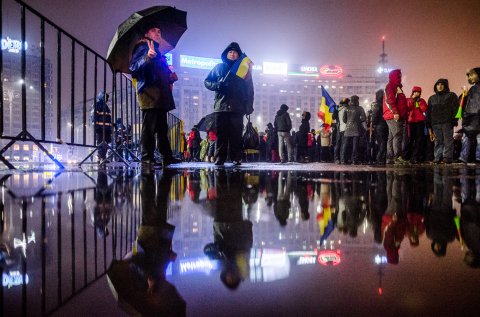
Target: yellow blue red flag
x,y
242,66
326,109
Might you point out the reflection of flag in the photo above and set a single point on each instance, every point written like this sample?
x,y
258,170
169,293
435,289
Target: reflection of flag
x,y
327,107
325,223
459,111
242,66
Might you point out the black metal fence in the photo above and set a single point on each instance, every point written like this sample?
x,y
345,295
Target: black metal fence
x,y
49,85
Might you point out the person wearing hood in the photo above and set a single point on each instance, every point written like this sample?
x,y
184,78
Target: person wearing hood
x,y
101,117
380,127
353,117
416,123
395,113
441,110
233,99
471,117
283,125
341,128
302,137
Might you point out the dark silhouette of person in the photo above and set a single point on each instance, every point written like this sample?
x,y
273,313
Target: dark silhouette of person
x,y
470,221
282,206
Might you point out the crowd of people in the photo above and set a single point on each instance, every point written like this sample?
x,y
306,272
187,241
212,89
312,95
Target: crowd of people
x,y
395,130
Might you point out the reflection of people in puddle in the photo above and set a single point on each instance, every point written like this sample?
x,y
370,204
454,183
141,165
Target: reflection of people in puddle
x,y
301,192
394,223
439,220
282,206
470,222
140,280
103,209
233,237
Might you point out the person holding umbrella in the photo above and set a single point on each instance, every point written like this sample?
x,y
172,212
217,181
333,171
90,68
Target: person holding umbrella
x,y
153,78
233,99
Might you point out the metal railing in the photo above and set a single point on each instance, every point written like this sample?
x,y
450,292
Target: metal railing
x,y
64,77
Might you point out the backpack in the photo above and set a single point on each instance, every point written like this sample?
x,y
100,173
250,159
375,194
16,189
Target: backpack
x,y
250,137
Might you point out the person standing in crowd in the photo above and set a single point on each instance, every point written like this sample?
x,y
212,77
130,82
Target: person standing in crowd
x,y
353,117
302,137
471,117
395,112
283,125
272,144
101,117
154,81
340,128
233,99
212,140
324,143
416,124
380,127
441,111
193,142
312,146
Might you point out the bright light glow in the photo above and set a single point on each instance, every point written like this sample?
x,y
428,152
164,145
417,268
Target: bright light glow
x,y
270,68
331,71
21,82
259,118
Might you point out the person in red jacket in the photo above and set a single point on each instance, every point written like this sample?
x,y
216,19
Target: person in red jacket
x,y
417,107
395,112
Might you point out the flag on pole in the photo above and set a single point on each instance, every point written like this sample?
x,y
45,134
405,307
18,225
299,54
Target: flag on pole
x,y
326,109
242,66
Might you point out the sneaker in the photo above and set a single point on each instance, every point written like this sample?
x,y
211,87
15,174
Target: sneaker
x,y
283,161
337,162
400,160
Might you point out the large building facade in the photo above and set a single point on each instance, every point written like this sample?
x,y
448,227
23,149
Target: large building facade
x,y
297,85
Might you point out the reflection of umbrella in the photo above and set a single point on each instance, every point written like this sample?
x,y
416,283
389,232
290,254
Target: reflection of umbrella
x,y
206,123
171,22
130,290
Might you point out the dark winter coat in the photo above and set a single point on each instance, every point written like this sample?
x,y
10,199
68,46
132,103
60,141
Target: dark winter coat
x,y
377,110
302,134
471,111
101,115
152,78
282,121
394,103
443,106
353,118
232,93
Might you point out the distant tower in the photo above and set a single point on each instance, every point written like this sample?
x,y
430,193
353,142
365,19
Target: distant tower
x,y
383,57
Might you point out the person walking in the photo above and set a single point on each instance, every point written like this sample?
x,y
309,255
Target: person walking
x,y
154,81
441,110
283,125
233,99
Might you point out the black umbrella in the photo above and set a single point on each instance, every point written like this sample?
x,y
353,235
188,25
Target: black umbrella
x,y
171,22
206,123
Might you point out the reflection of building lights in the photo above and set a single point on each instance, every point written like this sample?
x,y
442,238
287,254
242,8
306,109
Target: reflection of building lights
x,y
13,278
380,259
328,257
305,260
202,264
17,243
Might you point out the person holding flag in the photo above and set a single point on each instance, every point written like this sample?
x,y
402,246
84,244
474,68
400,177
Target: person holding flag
x,y
327,108
470,115
232,83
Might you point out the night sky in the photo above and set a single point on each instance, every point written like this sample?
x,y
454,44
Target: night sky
x,y
426,39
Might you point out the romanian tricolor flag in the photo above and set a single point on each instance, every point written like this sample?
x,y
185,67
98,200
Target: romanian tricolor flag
x,y
325,223
242,66
327,107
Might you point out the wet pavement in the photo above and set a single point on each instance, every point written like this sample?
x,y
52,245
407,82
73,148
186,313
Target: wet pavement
x,y
260,240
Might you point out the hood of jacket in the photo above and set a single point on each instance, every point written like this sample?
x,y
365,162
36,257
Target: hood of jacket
x,y
415,89
395,77
232,46
444,82
101,97
283,109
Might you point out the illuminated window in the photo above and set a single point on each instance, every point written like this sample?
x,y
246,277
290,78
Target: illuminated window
x,y
16,147
26,147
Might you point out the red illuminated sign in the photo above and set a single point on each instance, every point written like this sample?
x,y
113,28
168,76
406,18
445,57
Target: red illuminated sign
x,y
331,71
328,257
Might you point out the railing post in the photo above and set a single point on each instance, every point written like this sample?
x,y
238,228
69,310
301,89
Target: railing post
x,y
24,71
42,79
72,95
